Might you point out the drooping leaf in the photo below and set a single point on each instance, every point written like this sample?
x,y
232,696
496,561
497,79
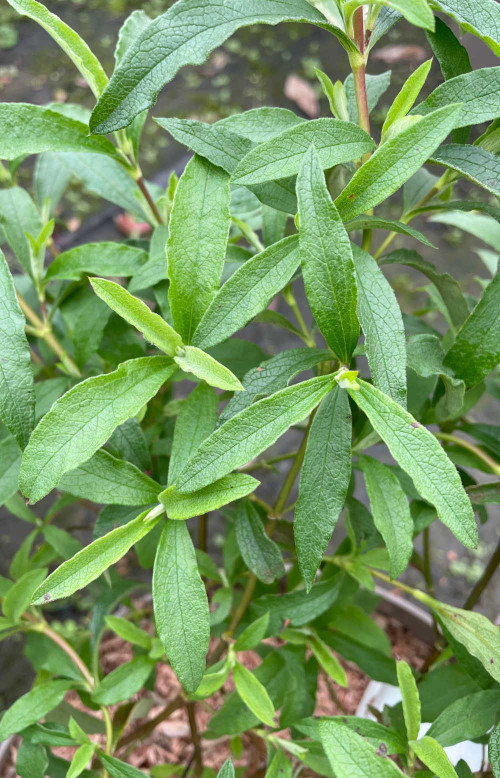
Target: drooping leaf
x,y
248,292
254,694
335,141
381,321
70,42
83,419
349,754
367,222
324,481
326,257
407,95
390,511
104,478
453,58
261,555
395,162
481,19
17,399
411,700
467,718
474,162
433,756
180,605
418,452
251,431
199,229
102,259
171,41
194,360
121,683
476,350
210,498
92,561
32,706
476,91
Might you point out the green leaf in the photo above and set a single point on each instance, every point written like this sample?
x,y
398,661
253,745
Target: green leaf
x,y
227,489
300,606
411,700
468,718
473,162
121,683
82,420
260,554
253,634
227,770
476,91
279,767
371,731
324,481
261,124
395,162
254,694
453,58
180,605
129,442
70,42
103,259
10,465
248,433
17,399
335,142
103,478
476,350
366,222
213,679
327,660
417,13
407,95
31,761
381,321
133,25
349,754
433,756
481,19
418,452
136,312
480,225
118,769
199,228
390,511
173,40
494,751
32,706
18,215
376,86
19,595
129,631
218,144
197,419
202,365
248,292
326,257
92,561
80,760
48,131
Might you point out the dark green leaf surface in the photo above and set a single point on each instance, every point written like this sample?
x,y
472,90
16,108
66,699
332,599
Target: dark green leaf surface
x,y
180,605
210,498
18,215
481,19
248,433
83,419
121,683
261,555
324,481
326,257
376,86
477,91
474,162
467,718
32,706
480,637
129,442
366,222
418,452
351,755
199,229
453,58
197,420
19,595
101,259
17,398
381,321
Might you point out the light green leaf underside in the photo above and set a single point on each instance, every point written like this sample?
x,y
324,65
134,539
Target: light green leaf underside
x,y
481,19
474,162
261,555
210,498
376,223
477,91
194,360
102,259
351,755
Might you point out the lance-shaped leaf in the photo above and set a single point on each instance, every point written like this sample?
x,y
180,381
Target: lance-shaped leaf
x,y
477,91
181,36
417,13
194,360
219,145
408,94
136,312
367,222
327,660
133,25
476,350
466,718
481,19
395,162
102,259
327,264
197,420
390,511
382,324
180,605
253,634
227,770
272,375
254,694
453,58
19,215
474,162
411,700
32,707
127,679
248,291
19,595
253,430
350,754
433,756
118,769
70,42
17,398
335,141
279,767
92,561
31,129
418,452
109,480
260,554
324,480
199,228
229,488
261,124
83,419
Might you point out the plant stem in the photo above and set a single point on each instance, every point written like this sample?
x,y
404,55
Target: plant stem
x,y
202,532
489,461
147,195
484,580
358,66
44,331
265,463
62,643
195,736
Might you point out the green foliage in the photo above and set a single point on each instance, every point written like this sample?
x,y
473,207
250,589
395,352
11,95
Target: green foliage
x,y
149,379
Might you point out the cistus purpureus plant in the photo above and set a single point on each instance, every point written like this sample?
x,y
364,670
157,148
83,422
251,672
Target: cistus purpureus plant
x,y
94,339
